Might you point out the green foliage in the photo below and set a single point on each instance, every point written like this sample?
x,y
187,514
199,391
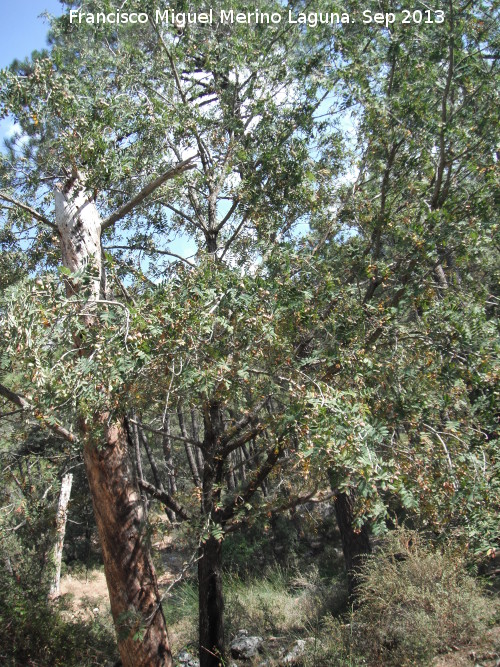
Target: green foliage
x,y
34,632
344,212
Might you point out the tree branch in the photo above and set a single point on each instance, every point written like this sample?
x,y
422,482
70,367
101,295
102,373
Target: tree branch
x,y
244,438
183,166
196,443
244,496
165,498
242,423
20,401
38,216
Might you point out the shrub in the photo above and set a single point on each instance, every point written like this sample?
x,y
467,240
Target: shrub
x,y
35,633
414,602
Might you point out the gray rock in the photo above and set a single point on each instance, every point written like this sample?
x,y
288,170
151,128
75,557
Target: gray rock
x,y
244,647
185,659
295,652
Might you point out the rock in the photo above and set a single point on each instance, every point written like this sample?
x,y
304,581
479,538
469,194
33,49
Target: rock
x,y
185,659
295,652
244,647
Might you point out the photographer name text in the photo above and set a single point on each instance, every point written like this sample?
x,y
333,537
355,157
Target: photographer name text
x,y
256,17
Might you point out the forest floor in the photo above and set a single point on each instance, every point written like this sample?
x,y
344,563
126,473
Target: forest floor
x,y
485,653
86,597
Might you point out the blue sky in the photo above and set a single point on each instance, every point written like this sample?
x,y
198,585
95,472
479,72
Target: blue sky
x,y
22,29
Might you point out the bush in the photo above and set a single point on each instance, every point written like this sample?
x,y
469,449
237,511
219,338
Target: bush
x,y
35,633
414,602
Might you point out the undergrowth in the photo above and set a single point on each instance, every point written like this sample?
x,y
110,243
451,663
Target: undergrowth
x,y
35,633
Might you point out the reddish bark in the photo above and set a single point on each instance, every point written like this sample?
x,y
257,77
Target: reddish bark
x,y
130,575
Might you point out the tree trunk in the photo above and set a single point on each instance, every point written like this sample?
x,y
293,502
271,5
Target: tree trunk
x,y
189,451
61,518
355,542
211,604
130,575
210,594
169,463
196,437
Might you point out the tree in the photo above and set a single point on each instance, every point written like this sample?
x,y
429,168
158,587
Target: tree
x,y
87,149
410,227
129,571
347,353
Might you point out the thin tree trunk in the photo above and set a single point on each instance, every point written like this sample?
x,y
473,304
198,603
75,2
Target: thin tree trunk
x,y
211,604
189,451
230,476
196,437
151,459
169,463
355,542
134,437
61,518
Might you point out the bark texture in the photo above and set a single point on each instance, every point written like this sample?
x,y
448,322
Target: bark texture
x,y
61,519
79,225
210,593
211,604
130,575
355,542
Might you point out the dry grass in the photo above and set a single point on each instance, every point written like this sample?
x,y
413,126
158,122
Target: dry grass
x,y
416,602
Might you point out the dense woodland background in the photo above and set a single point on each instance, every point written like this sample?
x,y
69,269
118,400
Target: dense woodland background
x,y
292,428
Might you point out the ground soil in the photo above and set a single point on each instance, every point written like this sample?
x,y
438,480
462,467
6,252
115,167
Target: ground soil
x,y
482,654
87,596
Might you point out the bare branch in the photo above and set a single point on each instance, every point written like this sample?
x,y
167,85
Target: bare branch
x,y
183,166
246,494
165,498
243,422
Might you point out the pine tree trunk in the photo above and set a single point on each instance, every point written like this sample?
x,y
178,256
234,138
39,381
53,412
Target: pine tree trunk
x,y
355,542
130,575
211,604
61,518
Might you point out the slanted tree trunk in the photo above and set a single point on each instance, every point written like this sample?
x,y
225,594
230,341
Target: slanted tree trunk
x,y
355,542
130,575
61,518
